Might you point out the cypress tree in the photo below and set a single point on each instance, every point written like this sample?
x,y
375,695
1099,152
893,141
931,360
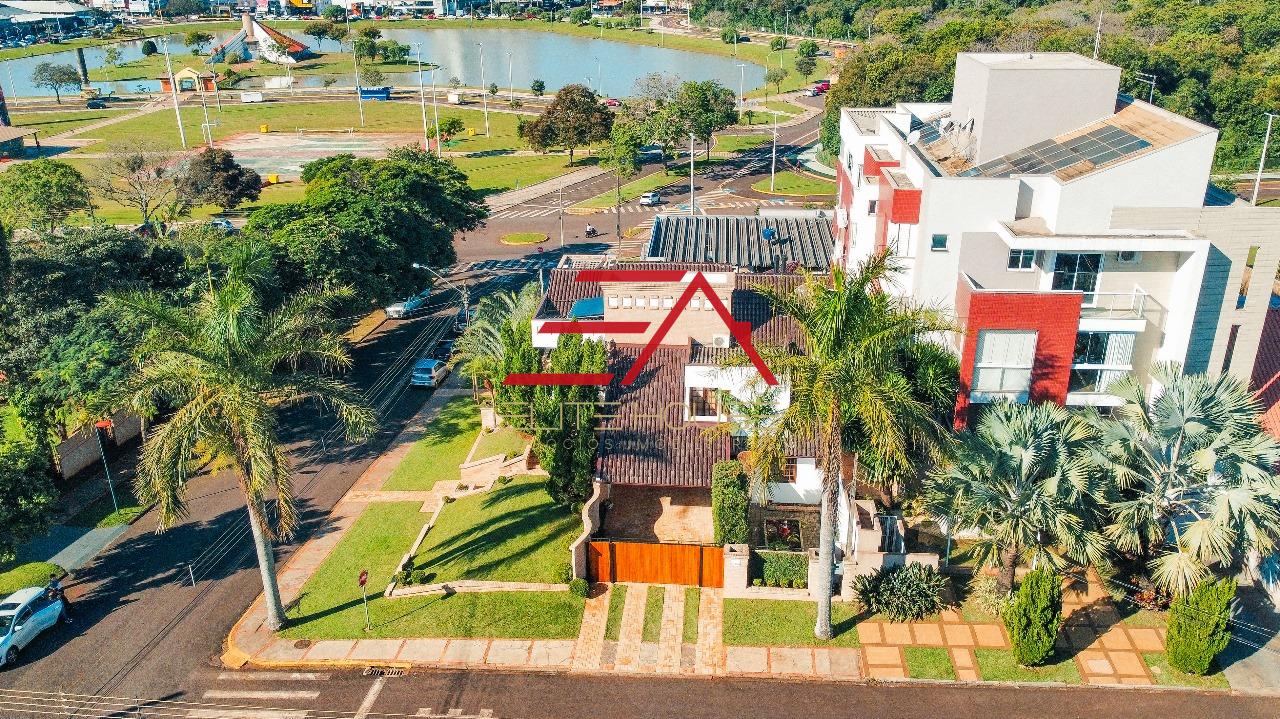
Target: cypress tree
x,y
1198,626
1034,617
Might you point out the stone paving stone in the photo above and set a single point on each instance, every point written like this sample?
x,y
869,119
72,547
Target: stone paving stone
x,y
1115,638
895,633
887,672
1136,681
962,658
989,635
426,651
671,636
869,633
710,656
1128,663
1105,615
958,635
822,662
465,651
791,660
509,652
552,653
1098,666
376,649
281,650
632,629
1080,636
967,675
882,655
648,656
1145,639
951,615
746,660
927,634
844,663
595,616
330,649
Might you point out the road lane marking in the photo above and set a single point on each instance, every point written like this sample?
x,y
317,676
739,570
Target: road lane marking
x,y
260,694
366,706
238,713
273,676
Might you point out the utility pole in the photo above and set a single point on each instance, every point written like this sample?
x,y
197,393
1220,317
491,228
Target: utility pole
x,y
435,109
560,203
173,90
484,91
773,162
1262,161
693,203
597,76
462,289
742,75
98,428
511,88
355,62
422,97
204,107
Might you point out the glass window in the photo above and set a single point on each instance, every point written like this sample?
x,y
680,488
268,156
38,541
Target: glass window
x,y
626,301
1021,259
668,303
871,207
1077,271
1003,361
789,470
613,300
939,243
1100,359
703,402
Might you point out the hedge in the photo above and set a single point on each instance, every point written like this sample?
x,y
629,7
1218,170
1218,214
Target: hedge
x,y
784,569
729,501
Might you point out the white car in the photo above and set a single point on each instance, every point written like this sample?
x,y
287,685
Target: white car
x,y
650,199
23,616
428,372
408,305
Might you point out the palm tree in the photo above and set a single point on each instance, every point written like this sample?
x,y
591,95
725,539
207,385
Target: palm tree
x,y
1193,470
226,365
1024,479
481,347
850,384
756,417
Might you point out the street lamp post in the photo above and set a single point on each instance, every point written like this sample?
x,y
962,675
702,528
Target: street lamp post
x,y
422,97
597,76
355,62
98,429
435,109
173,90
462,289
693,203
511,88
742,75
484,91
773,161
1262,161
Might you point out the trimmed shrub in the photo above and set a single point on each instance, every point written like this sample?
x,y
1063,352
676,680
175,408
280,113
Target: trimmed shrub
x,y
1034,617
420,576
757,582
729,502
565,573
984,590
783,569
904,593
1198,626
149,48
579,587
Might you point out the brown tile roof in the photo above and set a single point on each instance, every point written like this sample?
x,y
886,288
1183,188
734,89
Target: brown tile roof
x,y
563,290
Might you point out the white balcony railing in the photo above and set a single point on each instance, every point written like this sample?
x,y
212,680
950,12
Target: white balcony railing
x,y
1118,305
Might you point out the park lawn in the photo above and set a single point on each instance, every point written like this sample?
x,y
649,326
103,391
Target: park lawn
x,y
929,663
32,574
329,606
511,533
779,622
1165,675
787,108
613,624
692,602
500,173
1138,617
631,190
57,122
738,143
505,440
795,184
437,455
653,613
235,118
102,512
523,238
998,665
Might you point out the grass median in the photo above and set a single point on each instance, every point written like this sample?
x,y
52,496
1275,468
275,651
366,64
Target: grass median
x,y
795,185
30,574
443,447
784,623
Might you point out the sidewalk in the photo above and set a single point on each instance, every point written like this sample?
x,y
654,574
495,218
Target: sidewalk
x,y
510,199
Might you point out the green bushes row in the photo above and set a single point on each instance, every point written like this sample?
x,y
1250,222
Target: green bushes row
x,y
783,569
729,502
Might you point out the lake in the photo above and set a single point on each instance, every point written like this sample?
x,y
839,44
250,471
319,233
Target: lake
x,y
523,56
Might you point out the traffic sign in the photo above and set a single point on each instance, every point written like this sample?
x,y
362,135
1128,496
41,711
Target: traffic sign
x,y
364,577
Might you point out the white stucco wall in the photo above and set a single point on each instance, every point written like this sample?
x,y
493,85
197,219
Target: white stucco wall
x,y
807,489
742,382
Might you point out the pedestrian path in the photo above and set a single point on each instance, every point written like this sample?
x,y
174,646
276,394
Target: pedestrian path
x,y
512,198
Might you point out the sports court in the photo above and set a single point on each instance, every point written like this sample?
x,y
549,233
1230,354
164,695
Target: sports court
x,y
284,153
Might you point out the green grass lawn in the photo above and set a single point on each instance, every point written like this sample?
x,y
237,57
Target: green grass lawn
x,y
1165,675
53,123
329,607
499,173
10,424
998,665
692,602
757,622
31,574
523,238
437,455
795,184
505,440
116,214
738,143
929,663
617,601
653,613
102,513
380,117
1138,617
512,533
788,108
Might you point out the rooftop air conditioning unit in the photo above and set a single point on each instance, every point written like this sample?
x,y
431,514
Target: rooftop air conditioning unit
x,y
721,341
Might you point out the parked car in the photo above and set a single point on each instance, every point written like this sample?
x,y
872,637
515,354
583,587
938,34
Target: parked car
x,y
613,102
428,372
462,319
24,615
811,92
223,224
650,199
96,103
443,350
408,305
822,85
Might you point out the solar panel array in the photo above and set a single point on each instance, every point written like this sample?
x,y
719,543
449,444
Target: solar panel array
x,y
1098,146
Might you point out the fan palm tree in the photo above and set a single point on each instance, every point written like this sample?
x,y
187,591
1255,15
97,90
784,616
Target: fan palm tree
x,y
1025,479
226,365
1193,470
851,383
481,348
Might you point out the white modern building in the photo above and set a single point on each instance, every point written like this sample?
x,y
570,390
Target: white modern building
x,y
1070,228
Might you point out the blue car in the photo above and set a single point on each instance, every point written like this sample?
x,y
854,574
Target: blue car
x,y
408,305
428,372
24,615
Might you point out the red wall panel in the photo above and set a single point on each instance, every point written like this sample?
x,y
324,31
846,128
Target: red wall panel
x,y
871,166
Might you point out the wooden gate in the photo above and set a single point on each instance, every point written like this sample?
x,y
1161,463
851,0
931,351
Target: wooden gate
x,y
653,563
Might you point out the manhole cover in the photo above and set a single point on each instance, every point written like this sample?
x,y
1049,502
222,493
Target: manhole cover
x,y
302,644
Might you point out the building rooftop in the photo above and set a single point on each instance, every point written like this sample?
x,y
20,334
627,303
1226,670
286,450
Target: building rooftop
x,y
742,242
13,133
1036,60
867,120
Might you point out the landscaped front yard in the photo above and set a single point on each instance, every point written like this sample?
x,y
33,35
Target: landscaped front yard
x,y
505,440
782,623
437,455
511,533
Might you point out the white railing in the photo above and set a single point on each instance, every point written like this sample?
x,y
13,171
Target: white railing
x,y
1117,305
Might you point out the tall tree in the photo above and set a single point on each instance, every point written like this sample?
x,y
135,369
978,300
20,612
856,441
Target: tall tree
x,y
319,30
574,118
706,108
213,177
27,494
480,349
1024,478
227,367
1194,471
41,194
849,386
566,415
196,40
141,176
57,78
623,157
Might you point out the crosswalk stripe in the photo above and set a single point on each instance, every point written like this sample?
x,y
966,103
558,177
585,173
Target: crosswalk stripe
x,y
240,713
263,694
273,676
